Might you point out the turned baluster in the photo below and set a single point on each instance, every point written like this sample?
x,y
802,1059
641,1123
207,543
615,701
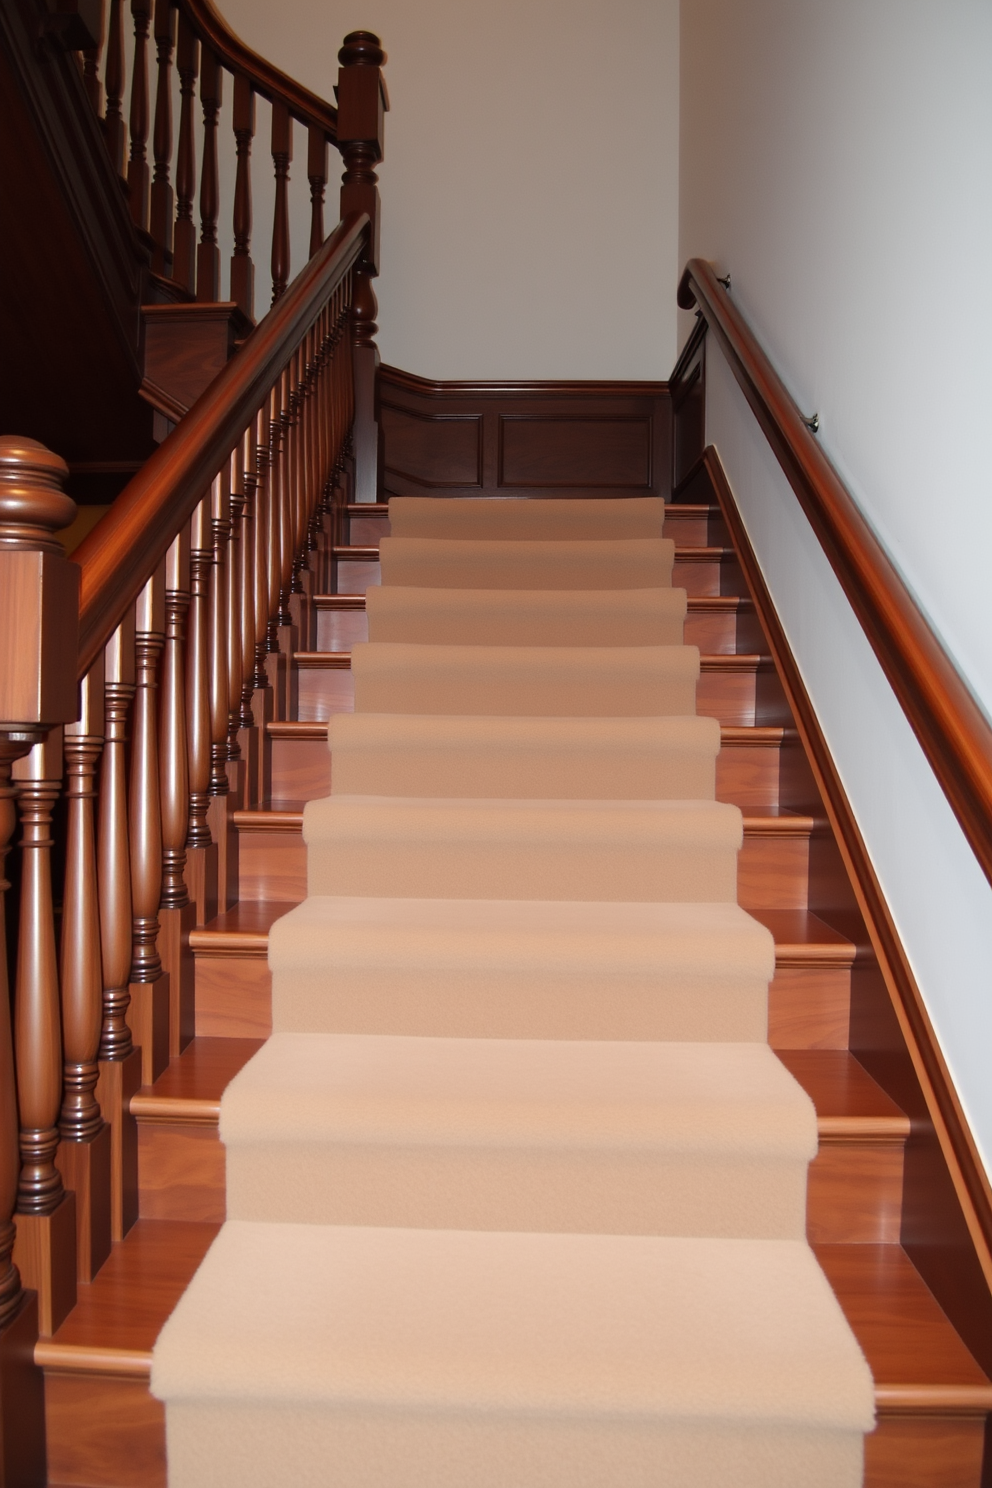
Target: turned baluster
x,y
113,855
149,987
262,695
223,802
242,268
184,241
235,552
137,168
176,913
162,197
361,104
201,850
317,176
113,123
282,154
120,1061
84,1154
250,744
91,60
208,253
37,693
275,664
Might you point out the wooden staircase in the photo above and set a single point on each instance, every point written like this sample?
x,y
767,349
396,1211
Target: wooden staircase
x,y
932,1396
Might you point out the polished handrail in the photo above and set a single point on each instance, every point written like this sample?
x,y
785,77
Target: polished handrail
x,y
124,548
948,722
265,79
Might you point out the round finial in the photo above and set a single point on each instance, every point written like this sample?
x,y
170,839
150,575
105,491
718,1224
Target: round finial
x,y
361,49
33,505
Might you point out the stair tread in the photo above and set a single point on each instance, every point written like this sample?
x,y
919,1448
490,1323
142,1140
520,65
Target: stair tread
x,y
288,816
730,734
197,1078
916,1357
709,661
704,603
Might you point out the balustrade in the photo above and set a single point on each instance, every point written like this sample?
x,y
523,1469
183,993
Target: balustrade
x,y
138,680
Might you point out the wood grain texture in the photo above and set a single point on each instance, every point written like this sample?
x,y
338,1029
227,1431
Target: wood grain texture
x,y
103,1432
520,439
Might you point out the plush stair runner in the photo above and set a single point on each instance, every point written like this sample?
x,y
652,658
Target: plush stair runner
x,y
516,1190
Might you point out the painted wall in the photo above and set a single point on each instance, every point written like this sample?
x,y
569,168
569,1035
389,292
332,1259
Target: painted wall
x,y
837,160
529,190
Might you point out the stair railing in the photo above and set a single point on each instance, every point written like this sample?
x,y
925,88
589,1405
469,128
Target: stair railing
x,y
143,674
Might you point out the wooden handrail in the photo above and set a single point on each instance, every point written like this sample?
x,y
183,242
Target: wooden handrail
x,y
124,548
948,722
236,56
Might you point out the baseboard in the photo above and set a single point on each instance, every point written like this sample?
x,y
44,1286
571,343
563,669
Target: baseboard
x,y
947,1206
506,438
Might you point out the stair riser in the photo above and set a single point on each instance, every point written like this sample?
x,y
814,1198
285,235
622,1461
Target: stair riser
x,y
89,1418
746,775
808,1006
702,576
727,696
772,871
339,630
687,529
854,1192
103,1431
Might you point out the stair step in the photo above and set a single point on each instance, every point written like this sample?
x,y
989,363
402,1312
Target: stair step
x,y
927,1385
747,767
616,1346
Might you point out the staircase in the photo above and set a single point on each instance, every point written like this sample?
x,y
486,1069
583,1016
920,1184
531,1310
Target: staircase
x,y
186,725
931,1396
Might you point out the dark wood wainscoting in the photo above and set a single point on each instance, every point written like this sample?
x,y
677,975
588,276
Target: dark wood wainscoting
x,y
524,438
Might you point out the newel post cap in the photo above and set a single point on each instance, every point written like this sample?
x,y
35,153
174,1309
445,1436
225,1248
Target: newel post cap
x,y
361,49
39,592
33,505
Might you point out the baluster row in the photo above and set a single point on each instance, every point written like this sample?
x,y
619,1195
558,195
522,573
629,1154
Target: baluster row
x,y
164,738
167,213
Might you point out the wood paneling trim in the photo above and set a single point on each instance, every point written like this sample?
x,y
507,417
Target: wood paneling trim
x,y
947,720
957,1145
556,438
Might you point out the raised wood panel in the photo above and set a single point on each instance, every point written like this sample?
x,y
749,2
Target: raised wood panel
x,y
591,453
432,450
187,345
180,1172
520,439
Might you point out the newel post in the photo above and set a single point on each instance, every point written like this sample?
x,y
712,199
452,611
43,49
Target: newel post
x,y
39,614
362,103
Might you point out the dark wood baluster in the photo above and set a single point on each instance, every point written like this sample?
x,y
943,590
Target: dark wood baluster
x,y
208,253
113,123
184,242
222,804
84,1153
275,662
201,850
286,631
360,139
177,915
242,755
46,1214
317,176
282,155
162,197
242,268
149,985
11,1294
137,169
91,59
262,698
251,743
120,1061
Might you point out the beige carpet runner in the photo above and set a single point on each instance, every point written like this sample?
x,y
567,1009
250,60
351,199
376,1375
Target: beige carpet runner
x,y
517,1189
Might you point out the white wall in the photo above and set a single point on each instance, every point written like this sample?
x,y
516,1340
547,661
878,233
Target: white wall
x,y
837,159
529,190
